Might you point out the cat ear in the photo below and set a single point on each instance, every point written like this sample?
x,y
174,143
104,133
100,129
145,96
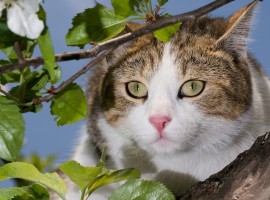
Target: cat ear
x,y
235,37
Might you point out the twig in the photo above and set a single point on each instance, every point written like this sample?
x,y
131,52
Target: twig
x,y
121,39
74,77
18,52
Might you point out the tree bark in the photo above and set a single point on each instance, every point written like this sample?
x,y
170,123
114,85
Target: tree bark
x,y
246,178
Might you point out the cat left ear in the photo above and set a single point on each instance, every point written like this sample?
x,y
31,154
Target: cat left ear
x,y
235,37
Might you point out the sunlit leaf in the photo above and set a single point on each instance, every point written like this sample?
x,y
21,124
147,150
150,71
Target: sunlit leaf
x,y
94,25
10,193
80,175
123,9
46,48
139,189
29,172
112,176
166,33
37,192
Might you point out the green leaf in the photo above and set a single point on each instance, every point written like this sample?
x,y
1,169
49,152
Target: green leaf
x,y
27,48
141,6
20,92
162,2
140,190
80,175
94,25
57,72
38,81
6,35
166,33
46,48
10,193
69,105
29,172
123,8
13,76
36,191
11,130
112,176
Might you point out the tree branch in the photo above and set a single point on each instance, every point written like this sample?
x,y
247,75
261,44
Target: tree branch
x,y
18,52
74,77
247,177
121,39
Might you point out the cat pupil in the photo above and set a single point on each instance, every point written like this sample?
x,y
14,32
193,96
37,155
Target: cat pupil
x,y
137,87
192,86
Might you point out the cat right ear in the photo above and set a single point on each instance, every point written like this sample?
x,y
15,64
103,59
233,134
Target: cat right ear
x,y
239,24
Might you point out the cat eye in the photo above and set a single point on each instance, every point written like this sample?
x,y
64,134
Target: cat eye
x,y
191,88
136,89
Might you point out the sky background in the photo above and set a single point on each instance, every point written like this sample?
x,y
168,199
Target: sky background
x,y
43,136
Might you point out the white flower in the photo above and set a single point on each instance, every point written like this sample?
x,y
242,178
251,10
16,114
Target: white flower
x,y
22,18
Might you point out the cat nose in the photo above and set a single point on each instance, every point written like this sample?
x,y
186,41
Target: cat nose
x,y
159,122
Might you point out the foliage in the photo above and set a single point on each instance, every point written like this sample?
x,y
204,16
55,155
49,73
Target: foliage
x,y
99,24
96,24
11,130
29,172
31,192
69,105
141,189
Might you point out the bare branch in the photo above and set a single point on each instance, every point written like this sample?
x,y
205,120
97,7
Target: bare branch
x,y
18,52
121,39
247,177
74,77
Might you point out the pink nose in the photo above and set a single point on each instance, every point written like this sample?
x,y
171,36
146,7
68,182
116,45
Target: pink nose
x,y
159,122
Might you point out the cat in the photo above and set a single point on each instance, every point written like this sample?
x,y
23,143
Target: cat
x,y
177,111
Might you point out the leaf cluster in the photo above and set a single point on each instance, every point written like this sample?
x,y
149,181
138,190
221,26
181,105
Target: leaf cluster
x,y
100,23
88,179
32,85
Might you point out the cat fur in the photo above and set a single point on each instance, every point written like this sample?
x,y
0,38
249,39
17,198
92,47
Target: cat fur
x,y
205,133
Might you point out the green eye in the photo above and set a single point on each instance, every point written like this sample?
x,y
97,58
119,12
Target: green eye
x,y
191,88
136,89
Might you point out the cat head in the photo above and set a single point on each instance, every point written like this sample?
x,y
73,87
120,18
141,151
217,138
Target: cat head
x,y
192,92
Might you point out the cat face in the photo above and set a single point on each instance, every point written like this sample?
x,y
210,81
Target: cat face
x,y
191,93
161,118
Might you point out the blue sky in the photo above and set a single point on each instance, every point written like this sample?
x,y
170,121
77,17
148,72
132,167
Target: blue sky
x,y
43,135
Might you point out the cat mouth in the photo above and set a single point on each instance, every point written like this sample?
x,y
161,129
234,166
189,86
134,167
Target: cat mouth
x,y
163,142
